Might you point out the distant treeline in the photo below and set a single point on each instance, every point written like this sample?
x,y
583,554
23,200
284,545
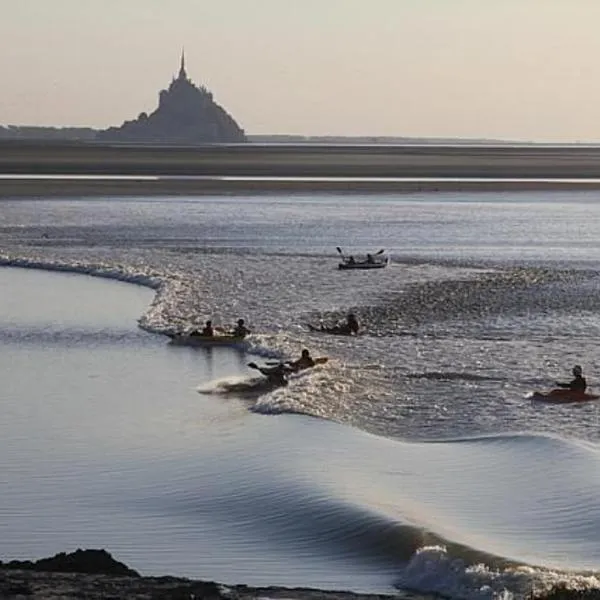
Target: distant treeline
x,y
24,132
359,139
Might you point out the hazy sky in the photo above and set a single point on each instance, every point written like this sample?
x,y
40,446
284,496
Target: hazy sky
x,y
510,69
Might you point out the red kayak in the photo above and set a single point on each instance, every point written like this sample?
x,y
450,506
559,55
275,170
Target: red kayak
x,y
563,396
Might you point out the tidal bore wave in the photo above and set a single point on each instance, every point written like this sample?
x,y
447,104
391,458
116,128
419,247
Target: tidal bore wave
x,y
490,512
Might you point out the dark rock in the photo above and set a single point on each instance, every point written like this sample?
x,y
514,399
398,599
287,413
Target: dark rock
x,y
186,590
95,562
26,565
10,589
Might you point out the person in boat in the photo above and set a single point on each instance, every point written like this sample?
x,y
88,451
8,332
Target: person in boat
x,y
578,384
207,331
351,260
306,361
349,327
370,259
240,330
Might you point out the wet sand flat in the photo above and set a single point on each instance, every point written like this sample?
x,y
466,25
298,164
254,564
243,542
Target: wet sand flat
x,y
45,188
256,168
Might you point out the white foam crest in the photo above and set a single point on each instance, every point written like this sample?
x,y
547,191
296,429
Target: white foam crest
x,y
159,316
433,570
120,273
216,385
305,392
235,385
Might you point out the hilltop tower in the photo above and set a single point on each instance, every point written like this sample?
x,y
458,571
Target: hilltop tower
x,y
182,73
186,114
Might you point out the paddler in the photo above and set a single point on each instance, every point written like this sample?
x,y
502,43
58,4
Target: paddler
x,y
240,330
207,331
578,384
306,361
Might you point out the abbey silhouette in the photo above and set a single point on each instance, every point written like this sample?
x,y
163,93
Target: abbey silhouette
x,y
186,114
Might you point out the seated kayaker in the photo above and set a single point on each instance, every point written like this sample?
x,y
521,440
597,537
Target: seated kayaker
x,y
305,361
208,330
240,330
578,384
370,259
348,327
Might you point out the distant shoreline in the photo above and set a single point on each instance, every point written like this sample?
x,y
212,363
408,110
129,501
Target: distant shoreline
x,y
301,160
52,188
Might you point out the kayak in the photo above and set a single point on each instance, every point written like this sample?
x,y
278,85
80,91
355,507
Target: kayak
x,y
563,396
183,339
320,360
370,261
272,368
363,264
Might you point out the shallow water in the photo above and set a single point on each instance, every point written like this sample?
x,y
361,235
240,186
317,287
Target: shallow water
x,y
446,465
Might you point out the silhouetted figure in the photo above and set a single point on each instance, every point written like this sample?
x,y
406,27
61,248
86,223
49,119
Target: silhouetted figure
x,y
240,330
305,361
208,329
578,384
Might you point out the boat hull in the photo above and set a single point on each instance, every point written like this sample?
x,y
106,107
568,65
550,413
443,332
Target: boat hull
x,y
563,396
348,266
205,340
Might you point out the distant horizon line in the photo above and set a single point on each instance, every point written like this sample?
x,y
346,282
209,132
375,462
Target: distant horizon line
x,y
325,137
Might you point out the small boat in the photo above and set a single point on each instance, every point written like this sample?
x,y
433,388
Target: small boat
x,y
563,396
364,264
371,261
184,339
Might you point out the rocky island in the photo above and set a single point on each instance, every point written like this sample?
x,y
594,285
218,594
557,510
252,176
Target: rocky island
x,y
186,114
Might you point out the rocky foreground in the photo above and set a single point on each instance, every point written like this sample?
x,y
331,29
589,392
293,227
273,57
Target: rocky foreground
x,y
95,575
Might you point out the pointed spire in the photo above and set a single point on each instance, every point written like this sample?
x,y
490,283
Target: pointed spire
x,y
182,73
